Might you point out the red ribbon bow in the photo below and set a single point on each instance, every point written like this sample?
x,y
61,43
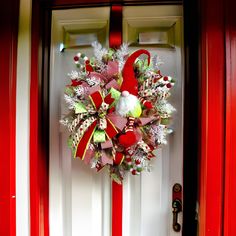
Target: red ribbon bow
x,y
97,101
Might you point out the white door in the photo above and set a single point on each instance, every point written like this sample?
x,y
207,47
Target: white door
x,y
80,198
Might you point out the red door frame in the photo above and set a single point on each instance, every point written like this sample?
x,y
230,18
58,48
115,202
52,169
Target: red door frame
x,y
216,108
230,110
8,60
218,114
212,112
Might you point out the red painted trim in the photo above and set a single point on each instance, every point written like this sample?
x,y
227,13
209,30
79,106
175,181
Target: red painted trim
x,y
212,117
115,40
8,61
117,207
115,37
230,152
39,181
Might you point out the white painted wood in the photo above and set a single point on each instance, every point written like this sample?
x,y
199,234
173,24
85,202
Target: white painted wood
x,y
22,120
79,198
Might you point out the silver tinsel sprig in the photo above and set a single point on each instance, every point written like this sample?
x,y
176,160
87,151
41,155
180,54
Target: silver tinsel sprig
x,y
80,91
73,75
159,133
121,54
155,63
164,107
79,75
92,81
70,101
99,51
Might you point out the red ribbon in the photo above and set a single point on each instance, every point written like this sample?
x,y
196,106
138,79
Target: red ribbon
x,y
110,130
115,41
119,157
82,145
117,205
96,99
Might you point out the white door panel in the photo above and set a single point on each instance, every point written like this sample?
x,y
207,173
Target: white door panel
x,y
77,194
80,198
151,193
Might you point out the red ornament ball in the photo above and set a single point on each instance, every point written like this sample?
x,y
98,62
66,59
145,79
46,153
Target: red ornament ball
x,y
148,105
128,139
137,162
76,58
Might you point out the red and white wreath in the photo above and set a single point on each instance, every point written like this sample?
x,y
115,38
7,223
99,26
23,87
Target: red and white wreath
x,y
118,109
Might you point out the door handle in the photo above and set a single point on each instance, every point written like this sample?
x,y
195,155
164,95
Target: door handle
x,y
176,206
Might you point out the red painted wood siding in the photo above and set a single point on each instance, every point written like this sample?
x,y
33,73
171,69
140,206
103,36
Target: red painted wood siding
x,y
8,60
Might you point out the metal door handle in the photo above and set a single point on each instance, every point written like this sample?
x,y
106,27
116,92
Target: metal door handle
x,y
177,207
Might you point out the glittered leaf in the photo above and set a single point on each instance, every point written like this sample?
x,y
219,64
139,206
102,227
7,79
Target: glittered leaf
x,y
79,108
165,121
99,136
69,90
115,94
70,142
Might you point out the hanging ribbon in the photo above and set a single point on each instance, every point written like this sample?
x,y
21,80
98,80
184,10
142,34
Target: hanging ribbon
x,y
115,40
115,37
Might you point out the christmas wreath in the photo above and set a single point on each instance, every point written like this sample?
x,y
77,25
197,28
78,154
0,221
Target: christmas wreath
x,y
118,109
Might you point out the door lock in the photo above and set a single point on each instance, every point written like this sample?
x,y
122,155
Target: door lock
x,y
176,205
